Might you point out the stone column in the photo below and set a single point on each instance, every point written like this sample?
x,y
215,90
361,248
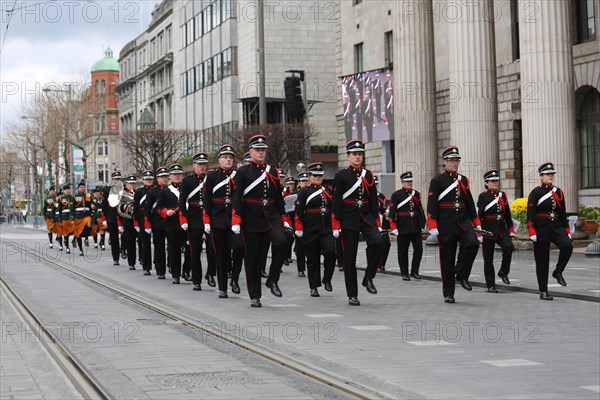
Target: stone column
x,y
415,137
548,95
472,73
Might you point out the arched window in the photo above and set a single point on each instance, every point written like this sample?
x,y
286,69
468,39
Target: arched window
x,y
590,140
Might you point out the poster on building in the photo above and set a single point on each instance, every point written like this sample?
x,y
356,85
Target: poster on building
x,y
369,105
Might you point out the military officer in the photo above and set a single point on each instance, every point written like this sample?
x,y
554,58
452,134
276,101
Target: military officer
x,y
407,220
259,214
313,228
109,215
66,209
290,194
355,210
154,223
139,211
384,219
453,219
368,115
494,213
303,181
191,206
49,205
547,223
127,224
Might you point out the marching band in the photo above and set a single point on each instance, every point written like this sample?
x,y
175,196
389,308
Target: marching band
x,y
237,215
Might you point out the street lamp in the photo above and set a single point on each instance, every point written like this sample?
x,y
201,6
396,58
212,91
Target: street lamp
x,y
69,93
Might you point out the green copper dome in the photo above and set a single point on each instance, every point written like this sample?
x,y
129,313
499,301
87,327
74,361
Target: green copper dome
x,y
108,63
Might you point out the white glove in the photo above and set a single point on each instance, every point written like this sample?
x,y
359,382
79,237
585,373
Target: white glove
x,y
170,213
184,227
148,231
207,228
434,231
336,233
480,238
512,235
533,238
380,229
137,229
395,232
299,234
236,229
287,226
569,235
478,228
104,223
121,229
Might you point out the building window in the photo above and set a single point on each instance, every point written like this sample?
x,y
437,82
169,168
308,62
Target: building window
x,y
209,71
590,140
514,23
102,148
227,63
216,8
586,21
358,58
168,30
389,49
191,29
207,20
103,172
183,84
182,36
218,63
198,73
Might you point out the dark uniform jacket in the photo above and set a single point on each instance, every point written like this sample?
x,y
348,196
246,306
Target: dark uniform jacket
x,y
218,198
455,211
153,219
313,212
191,207
49,207
384,218
83,205
168,199
406,212
109,213
494,213
66,207
360,203
140,202
546,213
261,208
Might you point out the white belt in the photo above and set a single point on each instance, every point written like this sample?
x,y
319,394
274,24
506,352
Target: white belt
x,y
66,211
80,209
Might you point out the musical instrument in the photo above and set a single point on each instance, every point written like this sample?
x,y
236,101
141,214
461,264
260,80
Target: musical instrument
x,y
121,199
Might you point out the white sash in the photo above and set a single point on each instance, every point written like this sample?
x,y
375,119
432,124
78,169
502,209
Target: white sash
x,y
449,188
406,200
258,180
546,196
223,182
193,192
174,190
491,204
318,192
356,185
142,200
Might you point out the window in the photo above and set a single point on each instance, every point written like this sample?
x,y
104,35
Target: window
x,y
198,24
586,21
227,10
102,148
152,50
191,80
160,45
183,84
182,36
389,49
190,30
216,8
590,140
358,58
514,23
227,63
209,71
218,65
168,30
207,20
103,172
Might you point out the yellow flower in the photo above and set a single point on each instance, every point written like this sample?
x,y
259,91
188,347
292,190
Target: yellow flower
x,y
519,205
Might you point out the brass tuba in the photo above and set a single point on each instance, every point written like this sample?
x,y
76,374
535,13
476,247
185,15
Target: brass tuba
x,y
121,199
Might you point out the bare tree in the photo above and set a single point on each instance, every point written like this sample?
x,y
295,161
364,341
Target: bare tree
x,y
153,148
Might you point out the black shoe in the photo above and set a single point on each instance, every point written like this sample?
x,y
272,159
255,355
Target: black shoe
x,y
50,246
255,303
301,274
161,277
81,253
368,283
559,278
176,281
415,275
465,284
546,296
116,263
186,277
274,288
222,294
132,267
264,274
449,299
68,250
235,288
492,289
229,275
504,278
286,262
353,301
197,288
102,247
405,278
146,272
327,286
210,280
382,270
314,293
60,248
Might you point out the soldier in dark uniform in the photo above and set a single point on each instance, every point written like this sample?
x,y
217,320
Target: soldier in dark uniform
x,y
303,181
126,224
547,223
358,111
154,223
109,215
407,220
313,229
290,194
385,226
98,218
389,110
191,207
66,209
139,213
355,210
453,219
49,205
168,208
377,92
368,115
259,215
348,116
218,196
494,214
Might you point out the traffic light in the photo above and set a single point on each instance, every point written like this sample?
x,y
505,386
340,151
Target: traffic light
x,y
294,105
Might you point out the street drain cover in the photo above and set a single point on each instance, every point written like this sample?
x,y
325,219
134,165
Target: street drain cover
x,y
203,379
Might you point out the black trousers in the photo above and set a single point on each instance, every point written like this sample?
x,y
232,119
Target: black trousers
x,y
237,256
339,252
176,240
403,242
300,255
160,257
385,248
115,246
228,248
145,250
350,248
541,252
129,241
448,261
194,236
314,247
488,247
211,268
256,249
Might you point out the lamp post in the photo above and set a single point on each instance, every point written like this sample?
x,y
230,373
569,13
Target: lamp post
x,y
69,93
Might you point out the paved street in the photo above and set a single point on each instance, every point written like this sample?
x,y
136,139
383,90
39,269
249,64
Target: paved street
x,y
404,342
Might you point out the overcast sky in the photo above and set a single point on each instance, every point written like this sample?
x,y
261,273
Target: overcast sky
x,y
59,41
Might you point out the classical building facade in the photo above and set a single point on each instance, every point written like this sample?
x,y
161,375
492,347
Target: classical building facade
x,y
513,83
